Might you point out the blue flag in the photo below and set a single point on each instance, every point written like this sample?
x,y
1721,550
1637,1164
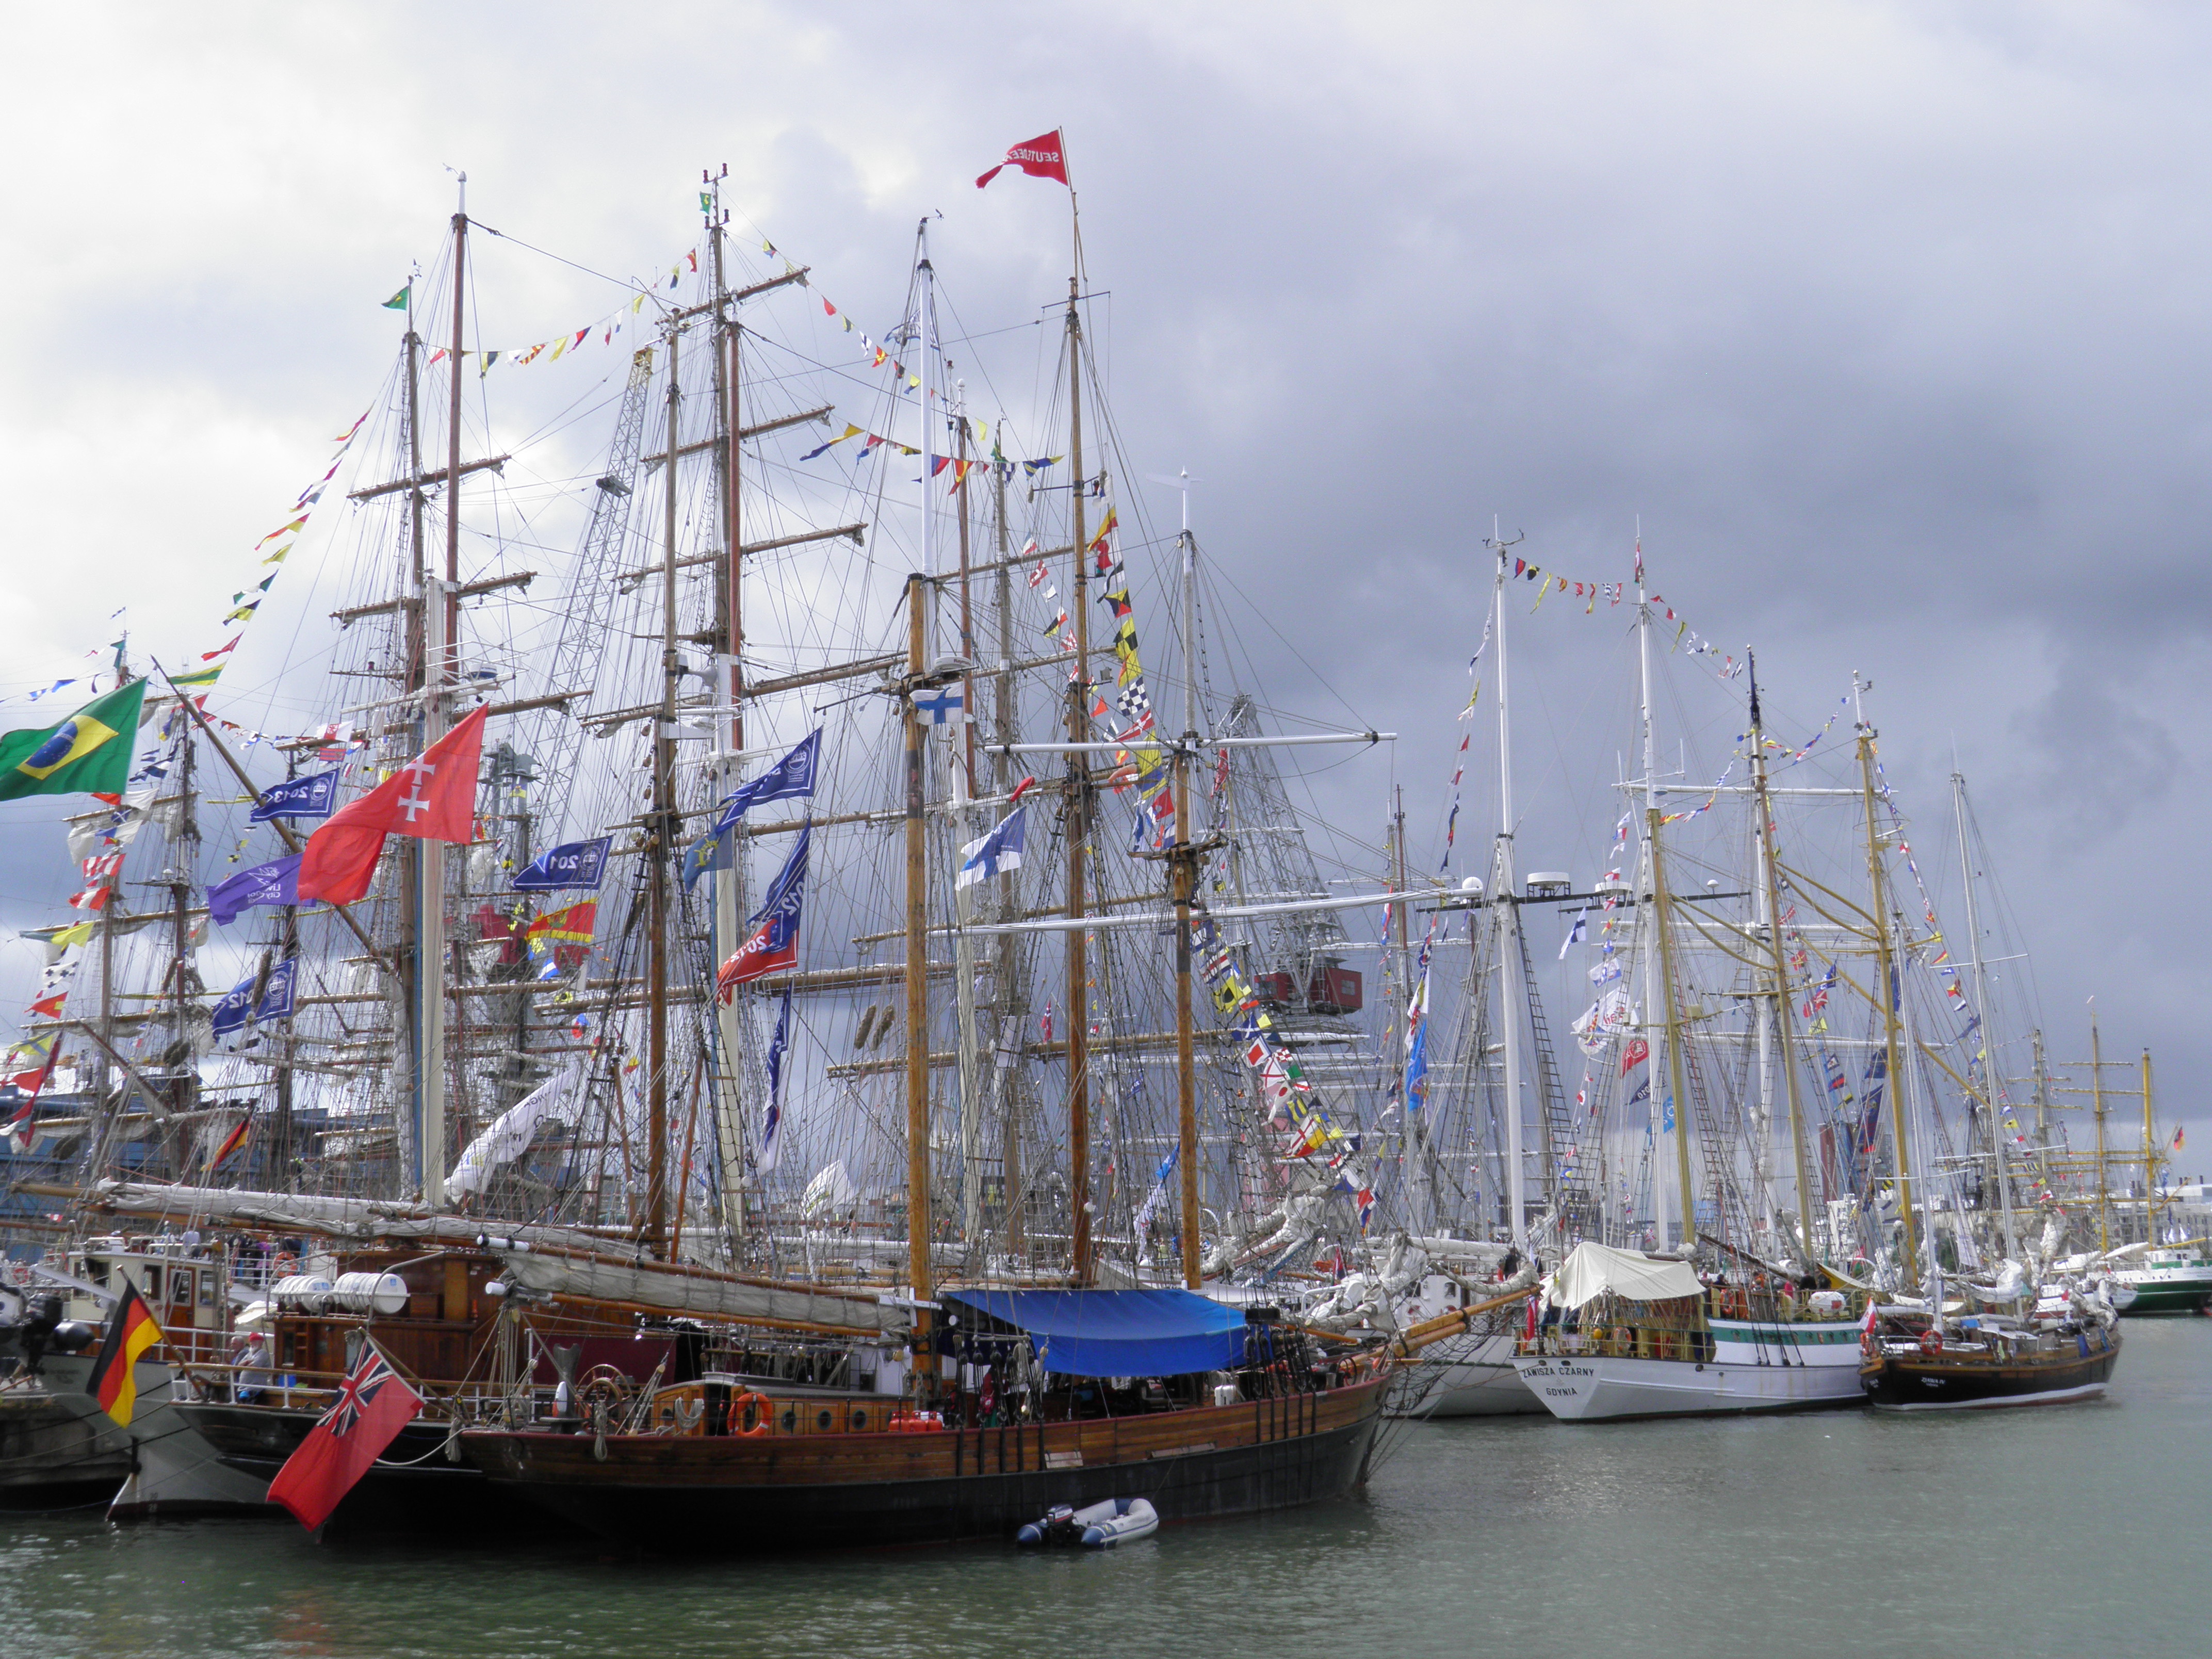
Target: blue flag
x,y
999,851
772,942
572,864
791,778
709,851
311,797
238,1006
769,1147
276,882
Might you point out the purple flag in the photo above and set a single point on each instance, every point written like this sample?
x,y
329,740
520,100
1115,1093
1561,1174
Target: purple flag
x,y
274,882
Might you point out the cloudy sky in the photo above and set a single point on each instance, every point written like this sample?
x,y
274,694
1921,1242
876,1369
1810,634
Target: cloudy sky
x,y
1886,322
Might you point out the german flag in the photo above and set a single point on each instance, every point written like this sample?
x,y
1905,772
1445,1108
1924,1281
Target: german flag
x,y
233,1141
114,1380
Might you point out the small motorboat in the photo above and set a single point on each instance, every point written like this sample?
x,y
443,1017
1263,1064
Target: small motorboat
x,y
1100,1527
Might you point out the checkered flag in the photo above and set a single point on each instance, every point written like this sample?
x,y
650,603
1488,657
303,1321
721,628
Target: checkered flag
x,y
1134,705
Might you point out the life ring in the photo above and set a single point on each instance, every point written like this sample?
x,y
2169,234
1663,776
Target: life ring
x,y
763,1409
1931,1339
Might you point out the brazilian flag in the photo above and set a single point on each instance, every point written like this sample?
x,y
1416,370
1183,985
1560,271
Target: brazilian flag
x,y
88,753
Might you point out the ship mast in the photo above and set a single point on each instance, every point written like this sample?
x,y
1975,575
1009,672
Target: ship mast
x,y
1771,885
1655,1030
440,616
1506,897
1678,1098
1982,1012
918,1228
661,833
1892,1085
729,682
1078,788
2150,1161
1003,780
1183,870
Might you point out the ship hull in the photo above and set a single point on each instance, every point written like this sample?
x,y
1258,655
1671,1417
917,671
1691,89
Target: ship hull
x,y
413,1490
1754,1367
1925,1382
741,1495
1481,1381
169,1471
2167,1290
57,1451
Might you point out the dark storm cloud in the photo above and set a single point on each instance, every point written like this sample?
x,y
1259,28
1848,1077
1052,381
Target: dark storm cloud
x,y
1887,320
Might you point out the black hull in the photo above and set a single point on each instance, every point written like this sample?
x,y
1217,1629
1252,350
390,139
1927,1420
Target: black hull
x,y
57,1455
429,1497
726,1520
1907,1382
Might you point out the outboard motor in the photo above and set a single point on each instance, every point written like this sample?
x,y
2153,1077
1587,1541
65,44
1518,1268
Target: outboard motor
x,y
36,1331
1057,1528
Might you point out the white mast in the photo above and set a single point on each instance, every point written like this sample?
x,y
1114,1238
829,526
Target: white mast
x,y
1655,1028
1504,895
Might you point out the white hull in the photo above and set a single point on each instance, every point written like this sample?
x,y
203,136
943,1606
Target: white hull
x,y
1478,1381
2053,1397
1764,1368
174,1470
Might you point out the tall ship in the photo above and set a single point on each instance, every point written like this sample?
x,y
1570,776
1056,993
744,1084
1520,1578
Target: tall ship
x,y
642,1063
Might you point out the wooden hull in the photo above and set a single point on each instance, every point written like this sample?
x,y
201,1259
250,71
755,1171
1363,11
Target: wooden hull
x,y
1952,1382
755,1494
413,1491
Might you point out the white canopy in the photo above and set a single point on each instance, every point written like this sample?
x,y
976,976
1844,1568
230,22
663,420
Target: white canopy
x,y
1591,1270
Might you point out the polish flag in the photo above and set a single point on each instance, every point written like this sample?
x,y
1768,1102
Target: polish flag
x,y
431,798
1041,158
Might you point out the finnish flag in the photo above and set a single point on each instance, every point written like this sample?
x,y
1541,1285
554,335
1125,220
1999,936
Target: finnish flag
x,y
939,708
1574,934
999,851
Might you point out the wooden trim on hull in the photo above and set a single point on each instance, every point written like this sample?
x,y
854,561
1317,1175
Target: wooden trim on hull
x,y
744,1494
1907,1382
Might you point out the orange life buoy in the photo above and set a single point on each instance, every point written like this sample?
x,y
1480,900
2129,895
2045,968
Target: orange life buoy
x,y
763,1407
1931,1339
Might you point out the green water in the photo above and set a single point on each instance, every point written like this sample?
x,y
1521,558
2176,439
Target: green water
x,y
2076,1530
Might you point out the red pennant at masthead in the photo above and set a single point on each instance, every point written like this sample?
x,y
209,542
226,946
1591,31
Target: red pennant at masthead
x,y
1041,158
432,798
374,1404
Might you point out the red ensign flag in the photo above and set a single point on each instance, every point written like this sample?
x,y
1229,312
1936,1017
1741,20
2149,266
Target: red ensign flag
x,y
433,798
1041,158
373,1406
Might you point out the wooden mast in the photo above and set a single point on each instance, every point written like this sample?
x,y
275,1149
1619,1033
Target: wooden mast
x,y
1893,1087
918,1228
1663,918
730,734
1003,779
659,837
1765,806
1078,1009
964,790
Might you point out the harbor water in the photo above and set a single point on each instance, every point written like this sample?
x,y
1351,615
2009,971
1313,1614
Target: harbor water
x,y
2060,1531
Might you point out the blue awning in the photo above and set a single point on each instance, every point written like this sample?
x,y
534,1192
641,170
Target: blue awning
x,y
1118,1333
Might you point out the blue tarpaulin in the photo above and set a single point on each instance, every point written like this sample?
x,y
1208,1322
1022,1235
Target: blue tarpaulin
x,y
1118,1333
